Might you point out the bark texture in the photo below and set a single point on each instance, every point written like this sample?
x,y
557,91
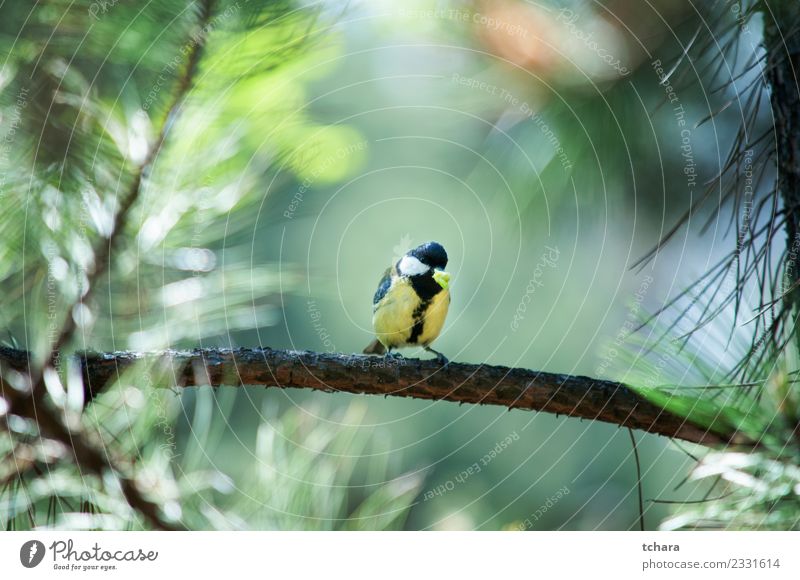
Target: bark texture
x,y
514,388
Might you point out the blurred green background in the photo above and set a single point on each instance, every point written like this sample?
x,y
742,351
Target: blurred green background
x,y
292,178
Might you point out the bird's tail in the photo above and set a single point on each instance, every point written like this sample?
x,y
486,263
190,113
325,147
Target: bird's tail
x,y
375,347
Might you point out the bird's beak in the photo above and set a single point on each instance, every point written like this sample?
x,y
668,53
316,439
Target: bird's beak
x,y
442,278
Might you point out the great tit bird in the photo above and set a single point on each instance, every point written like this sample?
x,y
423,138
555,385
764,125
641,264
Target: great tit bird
x,y
411,302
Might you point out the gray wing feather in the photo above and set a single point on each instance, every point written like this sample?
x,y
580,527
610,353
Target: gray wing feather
x,y
383,286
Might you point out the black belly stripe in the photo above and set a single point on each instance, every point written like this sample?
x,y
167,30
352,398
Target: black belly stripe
x,y
419,321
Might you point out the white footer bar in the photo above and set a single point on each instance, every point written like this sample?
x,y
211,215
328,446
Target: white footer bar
x,y
401,555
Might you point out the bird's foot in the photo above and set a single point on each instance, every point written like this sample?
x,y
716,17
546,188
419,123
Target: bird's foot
x,y
440,358
393,355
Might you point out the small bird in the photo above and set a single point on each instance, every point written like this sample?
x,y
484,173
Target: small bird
x,y
411,302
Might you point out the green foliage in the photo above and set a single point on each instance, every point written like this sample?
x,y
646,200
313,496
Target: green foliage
x,y
757,493
88,97
88,90
304,472
753,485
705,413
307,476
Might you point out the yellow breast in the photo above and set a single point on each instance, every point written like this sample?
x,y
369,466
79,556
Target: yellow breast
x,y
396,315
434,318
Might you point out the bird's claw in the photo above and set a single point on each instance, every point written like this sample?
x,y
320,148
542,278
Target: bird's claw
x,y
440,358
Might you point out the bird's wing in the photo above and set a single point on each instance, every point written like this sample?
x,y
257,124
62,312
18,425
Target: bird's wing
x,y
383,286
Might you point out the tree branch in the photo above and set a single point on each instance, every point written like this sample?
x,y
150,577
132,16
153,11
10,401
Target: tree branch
x,y
514,388
782,41
24,402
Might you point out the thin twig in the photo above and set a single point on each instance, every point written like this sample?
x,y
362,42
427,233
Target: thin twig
x,y
638,479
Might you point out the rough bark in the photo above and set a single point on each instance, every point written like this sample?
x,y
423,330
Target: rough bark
x,y
514,388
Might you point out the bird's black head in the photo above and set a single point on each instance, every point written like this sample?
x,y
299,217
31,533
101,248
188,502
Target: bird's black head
x,y
424,266
431,254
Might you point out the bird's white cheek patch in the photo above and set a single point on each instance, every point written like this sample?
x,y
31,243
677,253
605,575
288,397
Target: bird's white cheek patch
x,y
410,266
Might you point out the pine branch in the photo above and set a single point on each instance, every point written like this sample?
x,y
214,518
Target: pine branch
x,y
87,456
24,402
782,40
102,253
514,388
